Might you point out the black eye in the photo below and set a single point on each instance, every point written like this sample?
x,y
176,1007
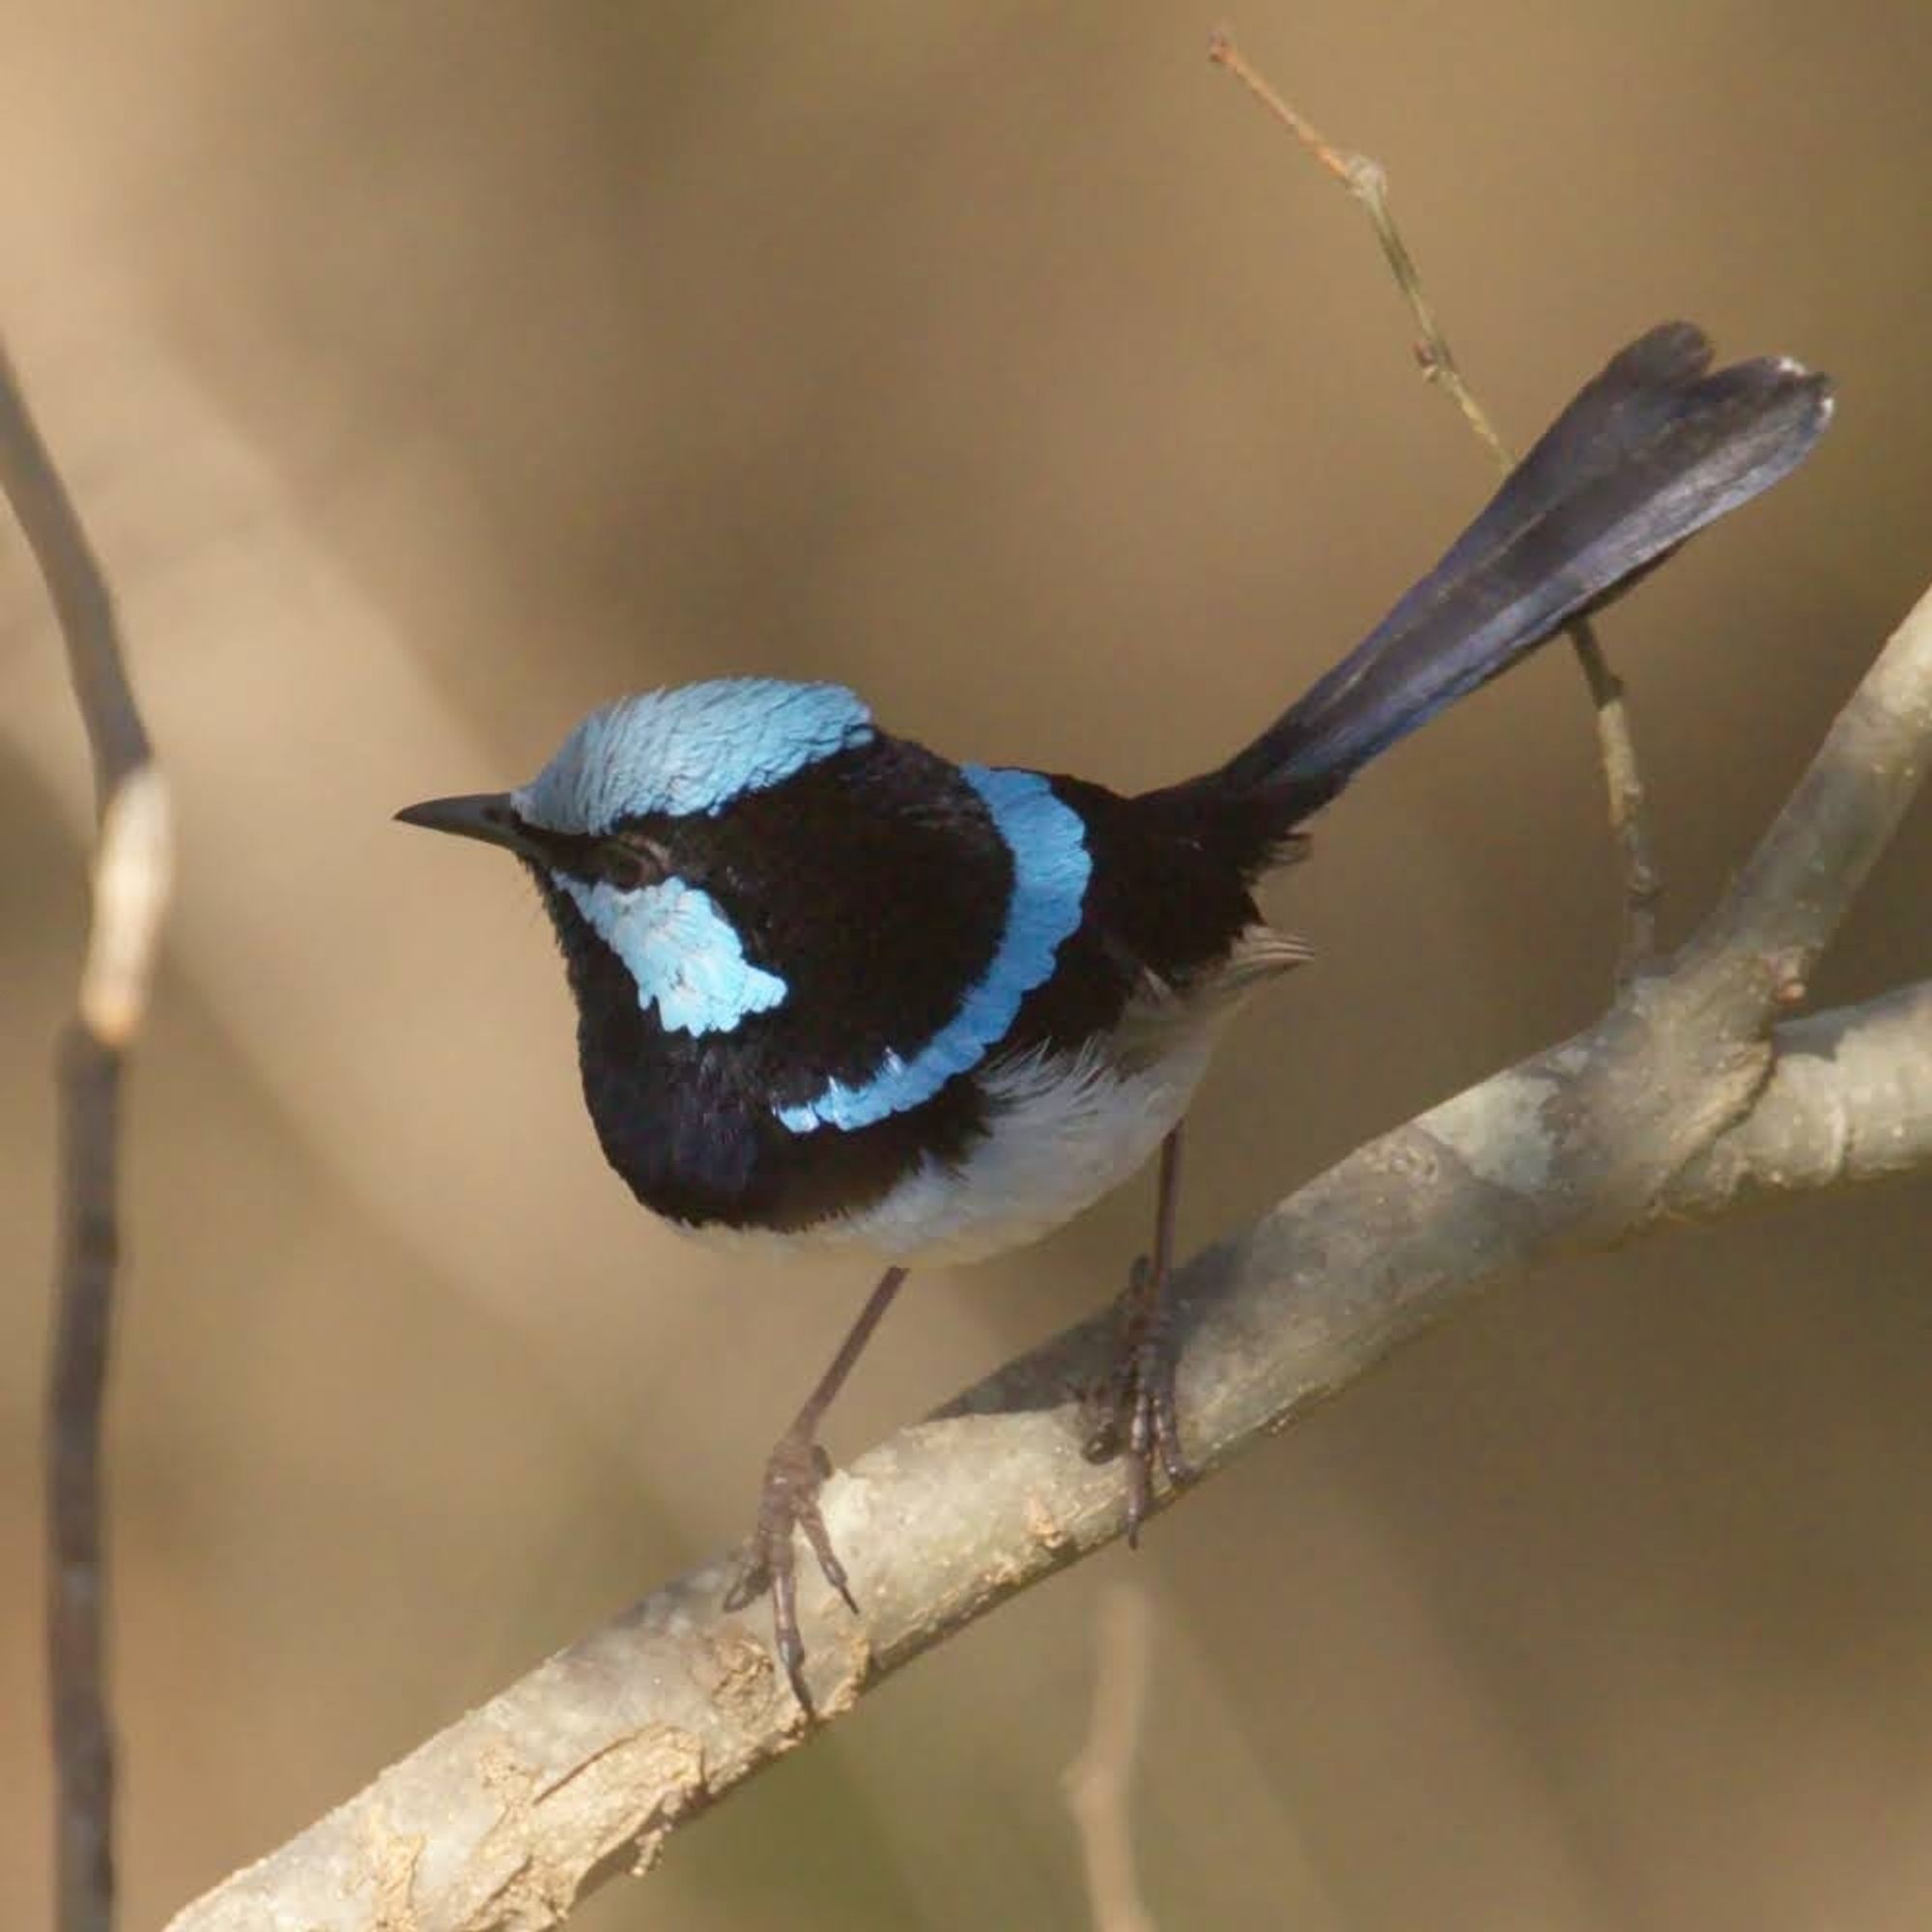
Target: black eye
x,y
628,864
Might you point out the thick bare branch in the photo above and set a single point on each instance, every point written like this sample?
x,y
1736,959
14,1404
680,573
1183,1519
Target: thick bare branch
x,y
1667,1108
580,1770
130,891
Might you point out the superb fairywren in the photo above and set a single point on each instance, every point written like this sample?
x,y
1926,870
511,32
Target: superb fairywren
x,y
834,989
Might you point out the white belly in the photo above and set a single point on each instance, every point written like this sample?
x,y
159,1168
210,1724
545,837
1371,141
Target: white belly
x,y
1065,1129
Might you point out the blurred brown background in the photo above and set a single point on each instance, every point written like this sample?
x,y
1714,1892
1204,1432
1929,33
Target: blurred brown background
x,y
431,373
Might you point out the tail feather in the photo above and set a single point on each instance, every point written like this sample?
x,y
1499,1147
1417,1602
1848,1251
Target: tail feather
x,y
1648,453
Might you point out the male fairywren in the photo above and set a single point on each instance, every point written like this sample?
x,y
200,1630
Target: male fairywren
x,y
836,990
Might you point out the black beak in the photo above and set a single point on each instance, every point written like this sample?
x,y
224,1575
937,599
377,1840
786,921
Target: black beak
x,y
487,816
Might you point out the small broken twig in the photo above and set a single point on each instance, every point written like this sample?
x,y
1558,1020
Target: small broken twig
x,y
1097,1783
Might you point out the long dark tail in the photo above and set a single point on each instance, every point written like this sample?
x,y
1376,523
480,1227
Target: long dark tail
x,y
1652,450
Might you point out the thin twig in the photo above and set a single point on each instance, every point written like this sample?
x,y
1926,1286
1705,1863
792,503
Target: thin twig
x,y
1630,820
1098,1783
132,872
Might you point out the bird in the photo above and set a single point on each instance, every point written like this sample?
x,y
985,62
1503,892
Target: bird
x,y
836,991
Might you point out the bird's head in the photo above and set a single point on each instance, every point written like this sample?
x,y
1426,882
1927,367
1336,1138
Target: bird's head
x,y
623,826
752,870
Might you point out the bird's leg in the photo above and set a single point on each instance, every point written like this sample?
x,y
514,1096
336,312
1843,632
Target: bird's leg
x,y
1134,1414
794,1473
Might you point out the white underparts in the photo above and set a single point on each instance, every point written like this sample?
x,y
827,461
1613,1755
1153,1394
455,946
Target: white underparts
x,y
1064,1131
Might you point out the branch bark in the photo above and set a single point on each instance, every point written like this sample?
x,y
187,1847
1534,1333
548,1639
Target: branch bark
x,y
1683,1101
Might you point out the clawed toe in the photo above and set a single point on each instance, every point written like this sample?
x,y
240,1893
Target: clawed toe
x,y
794,1473
1133,1414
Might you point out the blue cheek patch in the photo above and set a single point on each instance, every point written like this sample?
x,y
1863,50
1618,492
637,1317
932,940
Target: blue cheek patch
x,y
1051,867
683,953
694,749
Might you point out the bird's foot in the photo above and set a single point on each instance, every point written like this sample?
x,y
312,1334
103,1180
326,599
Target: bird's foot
x,y
1132,1413
794,1473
